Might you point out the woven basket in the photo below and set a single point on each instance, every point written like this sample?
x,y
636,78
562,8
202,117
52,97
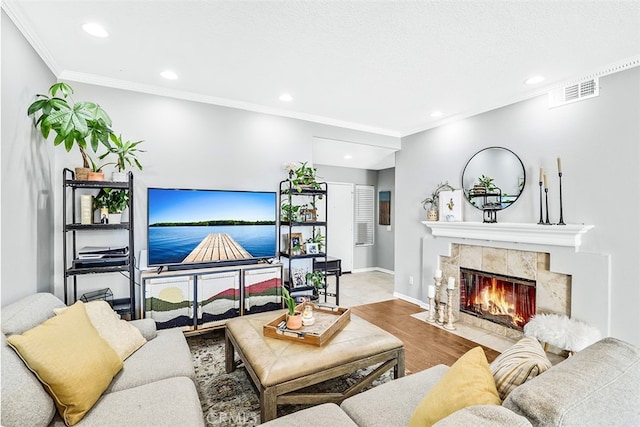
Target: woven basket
x,y
82,174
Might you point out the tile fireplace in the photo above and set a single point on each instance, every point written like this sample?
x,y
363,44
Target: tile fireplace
x,y
568,280
505,300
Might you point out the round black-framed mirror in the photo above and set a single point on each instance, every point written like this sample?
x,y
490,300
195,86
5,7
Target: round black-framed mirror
x,y
493,179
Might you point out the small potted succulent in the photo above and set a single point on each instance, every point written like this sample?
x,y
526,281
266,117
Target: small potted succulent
x,y
294,318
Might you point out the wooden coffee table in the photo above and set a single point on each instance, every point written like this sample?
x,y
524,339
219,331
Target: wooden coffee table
x,y
280,368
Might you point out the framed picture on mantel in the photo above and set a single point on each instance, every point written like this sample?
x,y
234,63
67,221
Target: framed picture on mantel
x,y
450,207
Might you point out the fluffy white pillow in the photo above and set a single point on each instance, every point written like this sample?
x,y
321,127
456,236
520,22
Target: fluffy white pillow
x,y
123,337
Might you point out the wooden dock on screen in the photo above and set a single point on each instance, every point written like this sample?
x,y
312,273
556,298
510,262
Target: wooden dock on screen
x,y
217,247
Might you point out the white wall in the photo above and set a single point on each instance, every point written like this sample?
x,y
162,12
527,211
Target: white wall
x,y
27,165
597,140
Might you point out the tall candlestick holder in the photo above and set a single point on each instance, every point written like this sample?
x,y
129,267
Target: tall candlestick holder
x,y
431,317
449,324
561,222
438,315
546,199
541,222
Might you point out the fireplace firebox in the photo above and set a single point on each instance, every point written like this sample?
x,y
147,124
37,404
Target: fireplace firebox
x,y
505,300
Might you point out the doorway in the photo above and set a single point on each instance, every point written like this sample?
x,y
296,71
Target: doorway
x,y
340,223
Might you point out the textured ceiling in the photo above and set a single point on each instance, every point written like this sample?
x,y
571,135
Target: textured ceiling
x,y
380,66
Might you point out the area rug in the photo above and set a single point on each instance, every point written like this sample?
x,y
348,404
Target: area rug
x,y
232,399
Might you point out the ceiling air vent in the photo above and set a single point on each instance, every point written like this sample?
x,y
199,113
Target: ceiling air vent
x,y
574,92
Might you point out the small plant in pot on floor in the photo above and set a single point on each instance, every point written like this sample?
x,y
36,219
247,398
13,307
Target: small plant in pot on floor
x,y
294,318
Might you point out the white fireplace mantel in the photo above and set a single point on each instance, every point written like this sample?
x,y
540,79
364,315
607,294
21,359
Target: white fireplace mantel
x,y
553,235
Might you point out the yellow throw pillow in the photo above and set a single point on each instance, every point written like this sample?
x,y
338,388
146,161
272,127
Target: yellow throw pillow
x,y
517,364
124,338
73,362
468,382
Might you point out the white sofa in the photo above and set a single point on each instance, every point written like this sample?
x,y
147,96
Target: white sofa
x,y
155,387
599,386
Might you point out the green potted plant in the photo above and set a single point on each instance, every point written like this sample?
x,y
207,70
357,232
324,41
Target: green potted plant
x,y
126,155
294,318
430,204
315,278
302,176
96,173
115,200
81,123
290,212
319,239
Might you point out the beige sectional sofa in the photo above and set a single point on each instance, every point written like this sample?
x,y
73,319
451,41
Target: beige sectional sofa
x,y
155,387
599,386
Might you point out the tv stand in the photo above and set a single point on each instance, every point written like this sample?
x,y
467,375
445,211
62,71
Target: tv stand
x,y
196,298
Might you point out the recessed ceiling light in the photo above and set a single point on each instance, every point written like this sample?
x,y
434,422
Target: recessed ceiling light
x,y
436,114
95,29
348,157
169,75
285,97
534,80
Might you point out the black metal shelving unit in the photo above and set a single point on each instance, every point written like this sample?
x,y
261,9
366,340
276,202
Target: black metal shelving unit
x,y
306,196
71,226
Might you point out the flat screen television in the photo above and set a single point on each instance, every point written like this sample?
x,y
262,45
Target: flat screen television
x,y
191,228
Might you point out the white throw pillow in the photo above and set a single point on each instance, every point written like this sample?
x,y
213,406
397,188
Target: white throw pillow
x,y
123,337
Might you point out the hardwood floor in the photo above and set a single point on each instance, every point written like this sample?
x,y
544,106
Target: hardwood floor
x,y
425,345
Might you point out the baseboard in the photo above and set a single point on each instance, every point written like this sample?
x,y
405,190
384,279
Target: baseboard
x,y
412,300
364,270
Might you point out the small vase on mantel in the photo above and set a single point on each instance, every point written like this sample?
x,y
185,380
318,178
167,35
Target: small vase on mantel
x,y
432,215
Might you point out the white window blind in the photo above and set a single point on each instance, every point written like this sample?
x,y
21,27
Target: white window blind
x,y
365,204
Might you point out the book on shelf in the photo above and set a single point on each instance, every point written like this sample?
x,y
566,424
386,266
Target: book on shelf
x,y
86,209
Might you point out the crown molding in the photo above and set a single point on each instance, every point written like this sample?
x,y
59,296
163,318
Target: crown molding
x,y
224,102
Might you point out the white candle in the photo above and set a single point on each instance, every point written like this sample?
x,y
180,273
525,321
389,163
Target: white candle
x,y
541,174
544,178
559,166
452,283
431,291
438,273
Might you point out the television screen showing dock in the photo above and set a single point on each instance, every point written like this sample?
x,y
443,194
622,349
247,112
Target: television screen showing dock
x,y
188,226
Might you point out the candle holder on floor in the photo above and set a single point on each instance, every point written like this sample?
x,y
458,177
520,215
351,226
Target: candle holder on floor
x,y
439,312
432,310
449,324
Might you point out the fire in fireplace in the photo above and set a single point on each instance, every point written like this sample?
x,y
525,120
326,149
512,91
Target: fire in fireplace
x,y
508,301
